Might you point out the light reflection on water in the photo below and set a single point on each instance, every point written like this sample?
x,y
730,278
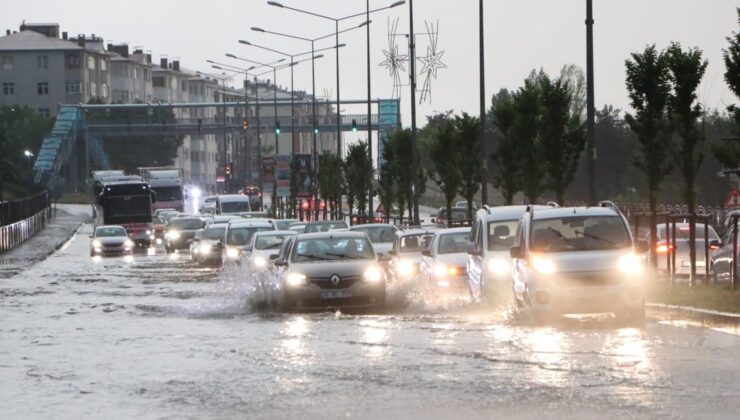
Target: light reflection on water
x,y
545,346
375,335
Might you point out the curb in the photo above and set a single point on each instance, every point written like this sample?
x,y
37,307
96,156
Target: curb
x,y
66,240
673,312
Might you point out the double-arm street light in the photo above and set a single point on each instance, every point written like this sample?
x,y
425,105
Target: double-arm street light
x,y
367,22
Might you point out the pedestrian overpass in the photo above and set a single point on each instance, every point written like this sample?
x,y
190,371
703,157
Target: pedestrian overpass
x,y
74,146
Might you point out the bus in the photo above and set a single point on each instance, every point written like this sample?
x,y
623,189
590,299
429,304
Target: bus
x,y
168,182
127,203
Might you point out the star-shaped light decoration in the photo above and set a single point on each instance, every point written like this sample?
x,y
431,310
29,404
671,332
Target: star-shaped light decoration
x,y
431,62
394,61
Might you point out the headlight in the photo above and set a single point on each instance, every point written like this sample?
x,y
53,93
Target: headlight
x,y
296,279
205,248
128,244
499,266
232,253
260,262
173,235
158,241
96,243
543,265
406,268
373,275
629,264
148,232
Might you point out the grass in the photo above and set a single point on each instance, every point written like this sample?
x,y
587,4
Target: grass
x,y
74,198
715,297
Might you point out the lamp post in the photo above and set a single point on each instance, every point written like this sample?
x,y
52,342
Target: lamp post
x,y
412,75
590,111
367,13
483,139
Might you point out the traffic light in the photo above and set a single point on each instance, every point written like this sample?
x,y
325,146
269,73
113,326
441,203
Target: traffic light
x,y
245,124
316,130
354,126
227,169
277,127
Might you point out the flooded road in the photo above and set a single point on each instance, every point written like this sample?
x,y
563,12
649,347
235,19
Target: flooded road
x,y
154,336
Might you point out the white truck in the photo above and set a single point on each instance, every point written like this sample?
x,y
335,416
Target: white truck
x,y
167,182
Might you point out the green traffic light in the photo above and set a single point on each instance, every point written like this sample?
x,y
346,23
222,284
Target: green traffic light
x,y
316,131
277,131
354,129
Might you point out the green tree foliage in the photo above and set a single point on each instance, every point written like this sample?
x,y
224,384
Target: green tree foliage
x,y
524,130
729,152
468,144
561,134
359,176
331,176
21,129
386,189
397,153
445,154
649,87
128,153
505,171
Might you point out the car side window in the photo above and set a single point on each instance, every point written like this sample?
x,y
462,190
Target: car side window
x,y
479,236
474,231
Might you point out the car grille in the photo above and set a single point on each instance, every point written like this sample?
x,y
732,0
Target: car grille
x,y
325,282
589,279
113,245
335,303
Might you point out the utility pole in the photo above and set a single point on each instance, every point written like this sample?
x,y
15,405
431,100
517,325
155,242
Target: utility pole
x,y
412,75
590,124
483,140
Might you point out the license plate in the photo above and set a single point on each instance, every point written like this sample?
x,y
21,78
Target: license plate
x,y
336,294
688,263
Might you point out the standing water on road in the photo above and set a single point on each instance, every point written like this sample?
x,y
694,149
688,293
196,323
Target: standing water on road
x,y
155,336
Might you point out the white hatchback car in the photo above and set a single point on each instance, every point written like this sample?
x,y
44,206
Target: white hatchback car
x,y
578,260
443,263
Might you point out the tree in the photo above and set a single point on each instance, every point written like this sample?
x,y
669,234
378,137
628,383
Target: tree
x,y
21,129
386,189
649,87
359,175
686,70
398,153
562,134
524,130
729,152
572,76
468,134
331,177
446,155
505,172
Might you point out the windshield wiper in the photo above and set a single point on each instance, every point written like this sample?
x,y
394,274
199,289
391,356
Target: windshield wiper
x,y
274,246
597,238
311,256
347,256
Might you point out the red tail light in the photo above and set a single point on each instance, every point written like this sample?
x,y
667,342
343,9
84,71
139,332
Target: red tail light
x,y
663,248
713,247
304,205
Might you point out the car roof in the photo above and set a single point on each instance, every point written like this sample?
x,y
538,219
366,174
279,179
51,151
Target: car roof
x,y
506,212
562,212
233,197
325,222
414,232
276,233
333,234
109,226
452,230
249,223
366,225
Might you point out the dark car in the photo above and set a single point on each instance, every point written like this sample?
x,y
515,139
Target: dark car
x,y
325,226
180,232
331,270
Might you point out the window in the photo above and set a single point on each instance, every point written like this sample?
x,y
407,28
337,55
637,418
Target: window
x,y
146,75
44,112
158,82
91,62
184,86
8,88
136,73
42,61
104,90
72,61
7,62
73,87
93,89
103,65
42,88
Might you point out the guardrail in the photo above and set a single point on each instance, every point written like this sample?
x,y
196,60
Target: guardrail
x,y
22,218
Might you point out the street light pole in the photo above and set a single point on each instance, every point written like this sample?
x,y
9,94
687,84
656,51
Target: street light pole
x,y
590,124
369,116
315,127
412,75
483,139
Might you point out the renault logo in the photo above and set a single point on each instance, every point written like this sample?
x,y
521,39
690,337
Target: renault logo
x,y
334,280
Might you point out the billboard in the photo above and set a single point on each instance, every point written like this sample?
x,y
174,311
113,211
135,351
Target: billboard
x,y
304,181
388,114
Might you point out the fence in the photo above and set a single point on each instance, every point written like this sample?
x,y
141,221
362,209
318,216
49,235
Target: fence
x,y
21,219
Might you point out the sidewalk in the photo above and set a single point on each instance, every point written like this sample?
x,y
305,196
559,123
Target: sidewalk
x,y
68,220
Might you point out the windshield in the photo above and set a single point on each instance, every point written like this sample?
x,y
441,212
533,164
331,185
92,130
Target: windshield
x,y
168,193
234,206
134,208
415,243
458,214
215,232
269,242
187,224
157,221
453,242
579,233
242,235
209,199
103,232
682,232
378,234
501,234
325,227
332,249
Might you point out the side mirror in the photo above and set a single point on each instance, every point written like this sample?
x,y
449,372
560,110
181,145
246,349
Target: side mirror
x,y
643,247
516,252
154,197
100,200
384,257
714,244
473,250
392,252
280,262
90,236
426,252
434,220
274,257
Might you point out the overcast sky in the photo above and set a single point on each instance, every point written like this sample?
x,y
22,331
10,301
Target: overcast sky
x,y
520,35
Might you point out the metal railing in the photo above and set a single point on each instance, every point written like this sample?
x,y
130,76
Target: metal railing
x,y
22,218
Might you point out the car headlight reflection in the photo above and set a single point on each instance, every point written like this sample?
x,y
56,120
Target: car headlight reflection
x,y
543,265
205,248
232,253
296,279
128,244
260,262
629,264
439,270
499,266
406,268
96,244
173,235
373,275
